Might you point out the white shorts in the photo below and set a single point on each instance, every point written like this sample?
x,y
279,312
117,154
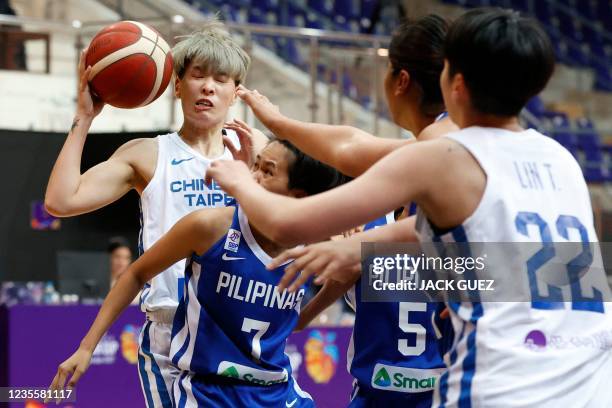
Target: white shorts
x,y
155,368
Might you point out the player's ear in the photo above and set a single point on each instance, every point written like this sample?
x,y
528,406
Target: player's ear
x,y
235,95
177,87
459,90
403,81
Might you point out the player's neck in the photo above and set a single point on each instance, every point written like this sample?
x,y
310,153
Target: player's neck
x,y
269,247
471,118
208,142
414,120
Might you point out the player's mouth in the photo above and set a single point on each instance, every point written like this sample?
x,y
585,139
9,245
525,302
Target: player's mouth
x,y
203,104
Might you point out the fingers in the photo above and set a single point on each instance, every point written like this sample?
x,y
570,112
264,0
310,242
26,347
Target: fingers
x,y
230,146
210,173
287,278
75,377
82,61
245,94
313,267
300,280
53,386
250,96
241,123
287,255
339,272
59,380
83,79
299,265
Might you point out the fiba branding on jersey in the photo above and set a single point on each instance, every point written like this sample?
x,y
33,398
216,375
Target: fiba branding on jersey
x,y
233,240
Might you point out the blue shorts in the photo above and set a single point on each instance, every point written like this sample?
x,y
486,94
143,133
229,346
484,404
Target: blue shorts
x,y
363,397
190,390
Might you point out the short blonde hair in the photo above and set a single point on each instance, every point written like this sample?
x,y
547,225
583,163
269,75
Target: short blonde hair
x,y
214,49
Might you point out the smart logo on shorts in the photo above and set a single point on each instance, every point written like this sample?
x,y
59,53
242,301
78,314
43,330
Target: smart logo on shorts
x,y
381,378
252,375
403,379
321,355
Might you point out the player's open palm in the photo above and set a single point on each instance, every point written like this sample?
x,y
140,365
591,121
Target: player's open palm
x,y
71,370
87,103
338,261
261,106
245,136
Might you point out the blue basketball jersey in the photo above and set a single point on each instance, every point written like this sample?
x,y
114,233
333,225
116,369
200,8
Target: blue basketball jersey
x,y
394,354
232,322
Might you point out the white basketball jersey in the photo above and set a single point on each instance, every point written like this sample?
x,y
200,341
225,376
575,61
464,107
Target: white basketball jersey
x,y
176,189
520,354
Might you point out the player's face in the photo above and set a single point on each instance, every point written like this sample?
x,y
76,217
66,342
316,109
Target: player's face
x,y
205,97
271,168
120,259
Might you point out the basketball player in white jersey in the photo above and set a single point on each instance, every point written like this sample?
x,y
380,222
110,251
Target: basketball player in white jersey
x,y
167,172
468,189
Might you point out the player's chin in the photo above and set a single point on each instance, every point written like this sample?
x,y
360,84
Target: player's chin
x,y
207,119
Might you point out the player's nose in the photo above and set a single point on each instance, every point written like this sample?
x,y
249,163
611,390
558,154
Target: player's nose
x,y
208,86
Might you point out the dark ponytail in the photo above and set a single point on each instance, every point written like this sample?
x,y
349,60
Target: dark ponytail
x,y
418,48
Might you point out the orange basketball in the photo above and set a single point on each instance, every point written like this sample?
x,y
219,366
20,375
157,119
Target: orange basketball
x,y
131,64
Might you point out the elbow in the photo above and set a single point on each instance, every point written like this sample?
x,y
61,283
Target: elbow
x,y
55,208
347,161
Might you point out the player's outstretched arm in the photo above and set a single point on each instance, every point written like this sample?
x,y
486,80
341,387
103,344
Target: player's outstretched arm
x,y
195,232
348,149
399,178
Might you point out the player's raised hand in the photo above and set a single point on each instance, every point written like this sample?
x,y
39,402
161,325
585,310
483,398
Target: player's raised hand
x,y
338,261
228,174
261,106
245,136
87,104
74,367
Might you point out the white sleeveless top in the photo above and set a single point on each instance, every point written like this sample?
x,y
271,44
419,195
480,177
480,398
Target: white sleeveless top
x,y
511,354
176,189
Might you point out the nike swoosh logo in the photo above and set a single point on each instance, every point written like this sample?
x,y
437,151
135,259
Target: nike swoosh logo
x,y
175,162
229,258
290,404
